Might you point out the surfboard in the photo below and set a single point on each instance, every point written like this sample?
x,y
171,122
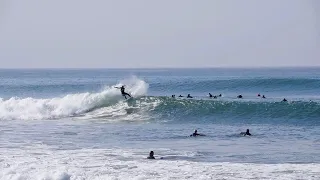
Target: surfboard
x,y
130,98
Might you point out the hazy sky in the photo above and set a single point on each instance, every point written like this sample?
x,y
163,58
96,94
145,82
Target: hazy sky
x,y
162,33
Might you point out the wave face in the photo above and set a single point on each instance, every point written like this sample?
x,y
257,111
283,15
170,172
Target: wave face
x,y
238,110
109,105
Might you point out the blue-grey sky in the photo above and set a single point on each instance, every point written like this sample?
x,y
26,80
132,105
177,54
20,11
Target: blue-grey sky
x,y
163,33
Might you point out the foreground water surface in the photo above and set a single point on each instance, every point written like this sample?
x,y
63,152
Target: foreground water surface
x,y
73,124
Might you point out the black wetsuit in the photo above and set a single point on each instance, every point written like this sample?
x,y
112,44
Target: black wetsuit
x,y
189,96
124,93
195,134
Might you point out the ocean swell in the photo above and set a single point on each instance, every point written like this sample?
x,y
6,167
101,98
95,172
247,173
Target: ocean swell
x,y
184,109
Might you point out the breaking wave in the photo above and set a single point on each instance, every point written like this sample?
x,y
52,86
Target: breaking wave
x,y
69,105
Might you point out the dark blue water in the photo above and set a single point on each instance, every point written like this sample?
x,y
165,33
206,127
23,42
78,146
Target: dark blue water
x,y
278,82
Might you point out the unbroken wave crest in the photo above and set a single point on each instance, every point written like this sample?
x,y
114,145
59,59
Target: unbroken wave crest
x,y
226,108
241,85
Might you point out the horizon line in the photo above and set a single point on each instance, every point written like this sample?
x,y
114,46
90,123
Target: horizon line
x,y
128,68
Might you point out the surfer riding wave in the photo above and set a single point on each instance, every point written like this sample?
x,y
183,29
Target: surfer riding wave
x,y
123,92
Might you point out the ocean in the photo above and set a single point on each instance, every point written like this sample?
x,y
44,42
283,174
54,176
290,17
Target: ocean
x,y
61,124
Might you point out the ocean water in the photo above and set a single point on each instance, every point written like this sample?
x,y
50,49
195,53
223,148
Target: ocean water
x,y
73,124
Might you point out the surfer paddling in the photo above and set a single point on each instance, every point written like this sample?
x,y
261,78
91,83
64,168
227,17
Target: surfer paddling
x,y
123,92
196,134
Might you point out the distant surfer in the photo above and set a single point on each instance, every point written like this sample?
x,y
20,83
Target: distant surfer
x,y
247,133
180,95
151,155
284,100
240,96
123,92
263,97
211,96
196,134
173,96
189,96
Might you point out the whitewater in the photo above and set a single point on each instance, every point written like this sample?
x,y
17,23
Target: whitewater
x,y
74,124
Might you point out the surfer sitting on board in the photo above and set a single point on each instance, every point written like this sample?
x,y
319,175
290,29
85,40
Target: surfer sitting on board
x,y
247,133
122,92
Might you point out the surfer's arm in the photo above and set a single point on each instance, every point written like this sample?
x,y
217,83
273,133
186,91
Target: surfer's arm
x,y
119,87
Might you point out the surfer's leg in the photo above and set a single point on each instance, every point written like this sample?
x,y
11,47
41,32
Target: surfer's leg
x,y
124,94
128,94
